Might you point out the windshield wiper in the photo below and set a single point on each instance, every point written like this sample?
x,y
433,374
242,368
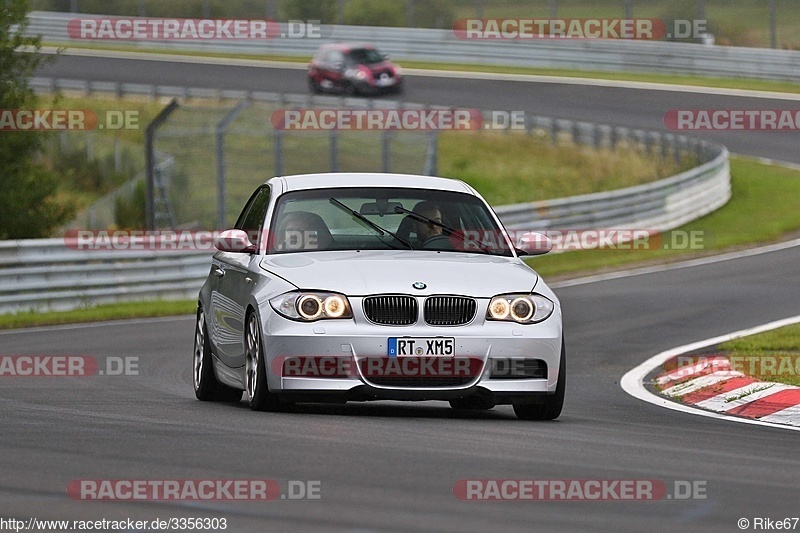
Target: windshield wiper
x,y
447,230
381,231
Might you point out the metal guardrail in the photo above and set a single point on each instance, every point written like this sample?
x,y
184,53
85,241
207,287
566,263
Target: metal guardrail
x,y
443,46
44,274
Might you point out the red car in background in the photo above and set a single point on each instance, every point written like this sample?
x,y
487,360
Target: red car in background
x,y
353,69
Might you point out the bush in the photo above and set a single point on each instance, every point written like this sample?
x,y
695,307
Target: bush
x,y
375,13
131,213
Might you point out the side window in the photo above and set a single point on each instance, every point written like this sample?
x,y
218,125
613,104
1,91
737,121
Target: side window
x,y
252,218
335,57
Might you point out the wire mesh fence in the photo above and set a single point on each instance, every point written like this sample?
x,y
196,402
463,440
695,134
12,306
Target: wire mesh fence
x,y
222,152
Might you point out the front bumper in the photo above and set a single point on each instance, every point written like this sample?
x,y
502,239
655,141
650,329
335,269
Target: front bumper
x,y
352,344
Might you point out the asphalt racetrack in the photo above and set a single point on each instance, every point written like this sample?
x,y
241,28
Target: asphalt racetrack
x,y
392,466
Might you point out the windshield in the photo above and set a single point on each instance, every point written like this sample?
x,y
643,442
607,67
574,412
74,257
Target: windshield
x,y
384,219
364,56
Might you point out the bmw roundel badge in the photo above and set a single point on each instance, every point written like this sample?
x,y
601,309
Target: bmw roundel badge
x,y
419,285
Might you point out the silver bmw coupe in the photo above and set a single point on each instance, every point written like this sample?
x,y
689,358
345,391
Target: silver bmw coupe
x,y
353,287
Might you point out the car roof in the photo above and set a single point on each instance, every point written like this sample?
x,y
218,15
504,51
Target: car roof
x,y
369,179
346,47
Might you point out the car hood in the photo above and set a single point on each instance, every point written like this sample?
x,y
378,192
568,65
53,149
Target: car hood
x,y
373,272
379,67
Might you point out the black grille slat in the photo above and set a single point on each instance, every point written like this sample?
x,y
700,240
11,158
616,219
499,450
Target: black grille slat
x,y
394,310
449,310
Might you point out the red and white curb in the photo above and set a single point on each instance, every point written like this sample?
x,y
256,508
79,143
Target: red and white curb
x,y
711,388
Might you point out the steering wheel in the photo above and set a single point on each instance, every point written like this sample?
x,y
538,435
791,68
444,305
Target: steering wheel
x,y
437,242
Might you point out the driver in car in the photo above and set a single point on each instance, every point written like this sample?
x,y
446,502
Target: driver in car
x,y
303,231
426,231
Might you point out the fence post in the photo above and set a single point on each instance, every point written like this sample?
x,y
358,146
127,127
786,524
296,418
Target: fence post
x,y
278,138
89,146
117,156
150,159
334,148
222,130
386,147
432,158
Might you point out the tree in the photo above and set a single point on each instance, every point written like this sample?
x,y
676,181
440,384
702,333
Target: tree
x,y
28,204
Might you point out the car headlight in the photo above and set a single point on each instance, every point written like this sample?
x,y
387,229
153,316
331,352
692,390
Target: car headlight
x,y
311,306
520,308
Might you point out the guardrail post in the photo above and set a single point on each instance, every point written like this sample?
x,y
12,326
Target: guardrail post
x,y
649,143
222,130
576,133
150,159
554,131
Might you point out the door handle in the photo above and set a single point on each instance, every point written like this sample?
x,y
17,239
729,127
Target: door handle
x,y
219,272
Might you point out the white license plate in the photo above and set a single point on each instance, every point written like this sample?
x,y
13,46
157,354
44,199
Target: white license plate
x,y
422,346
384,82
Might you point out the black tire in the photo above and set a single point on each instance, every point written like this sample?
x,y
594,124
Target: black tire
x,y
313,86
258,394
546,406
472,403
206,386
350,90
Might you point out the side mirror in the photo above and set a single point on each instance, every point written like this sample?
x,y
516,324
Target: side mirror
x,y
234,240
534,243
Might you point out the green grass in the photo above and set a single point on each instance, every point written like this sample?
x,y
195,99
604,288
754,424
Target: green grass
x,y
99,313
669,79
763,208
510,168
769,356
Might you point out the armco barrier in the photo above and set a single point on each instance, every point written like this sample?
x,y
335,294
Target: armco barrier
x,y
443,46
